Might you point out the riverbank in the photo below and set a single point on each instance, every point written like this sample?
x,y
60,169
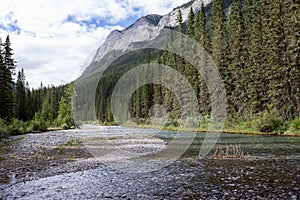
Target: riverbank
x,y
40,155
205,130
30,156
265,172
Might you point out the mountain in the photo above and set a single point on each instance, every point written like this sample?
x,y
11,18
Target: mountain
x,y
144,29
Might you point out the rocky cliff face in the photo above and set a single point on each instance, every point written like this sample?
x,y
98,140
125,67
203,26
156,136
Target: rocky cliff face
x,y
144,29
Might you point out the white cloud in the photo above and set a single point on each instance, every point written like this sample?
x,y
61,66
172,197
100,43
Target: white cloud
x,y
51,48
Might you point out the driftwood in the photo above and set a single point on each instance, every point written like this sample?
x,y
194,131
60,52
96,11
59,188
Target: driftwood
x,y
228,151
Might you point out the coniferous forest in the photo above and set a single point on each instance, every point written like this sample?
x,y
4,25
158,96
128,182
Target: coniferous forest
x,y
256,48
25,110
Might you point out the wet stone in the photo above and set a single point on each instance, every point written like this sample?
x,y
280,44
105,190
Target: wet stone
x,y
187,178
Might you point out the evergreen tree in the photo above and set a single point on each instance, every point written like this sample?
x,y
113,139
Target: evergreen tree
x,y
254,57
158,93
2,85
64,119
218,33
7,70
291,18
29,103
200,28
191,24
201,36
276,60
219,47
237,80
21,97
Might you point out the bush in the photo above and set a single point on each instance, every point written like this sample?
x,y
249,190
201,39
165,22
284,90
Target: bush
x,y
3,133
3,130
38,125
270,123
17,127
172,123
65,126
295,125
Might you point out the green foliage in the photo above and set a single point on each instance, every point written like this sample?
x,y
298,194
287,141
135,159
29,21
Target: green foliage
x,y
17,127
37,123
7,67
172,123
270,123
295,125
64,119
256,49
3,130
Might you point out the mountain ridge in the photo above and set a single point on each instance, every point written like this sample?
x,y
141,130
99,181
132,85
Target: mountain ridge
x,y
144,29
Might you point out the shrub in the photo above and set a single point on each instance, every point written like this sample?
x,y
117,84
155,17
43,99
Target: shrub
x,y
270,123
3,133
3,130
16,127
295,125
172,123
38,125
65,126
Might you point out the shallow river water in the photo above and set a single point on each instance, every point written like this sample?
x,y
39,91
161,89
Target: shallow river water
x,y
238,167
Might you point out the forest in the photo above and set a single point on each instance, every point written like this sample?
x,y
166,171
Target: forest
x,y
24,110
256,49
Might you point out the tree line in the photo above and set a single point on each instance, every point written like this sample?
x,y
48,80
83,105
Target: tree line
x,y
23,109
256,48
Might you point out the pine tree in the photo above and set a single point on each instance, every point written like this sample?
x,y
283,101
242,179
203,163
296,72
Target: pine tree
x,y
202,37
2,85
276,60
191,24
64,118
292,31
158,92
254,57
147,92
21,96
8,67
219,47
235,37
29,103
200,28
218,33
178,64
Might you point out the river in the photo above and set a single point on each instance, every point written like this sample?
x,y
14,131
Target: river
x,y
238,167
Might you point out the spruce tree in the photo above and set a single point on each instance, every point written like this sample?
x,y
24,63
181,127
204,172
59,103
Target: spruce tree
x,y
202,37
2,85
219,47
254,56
237,80
276,65
218,33
191,23
200,28
292,30
21,96
8,67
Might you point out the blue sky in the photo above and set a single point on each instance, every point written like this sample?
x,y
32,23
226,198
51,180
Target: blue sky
x,y
52,39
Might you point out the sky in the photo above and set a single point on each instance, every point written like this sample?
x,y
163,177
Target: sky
x,y
51,39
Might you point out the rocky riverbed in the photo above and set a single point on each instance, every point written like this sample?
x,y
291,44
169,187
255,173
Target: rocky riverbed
x,y
61,165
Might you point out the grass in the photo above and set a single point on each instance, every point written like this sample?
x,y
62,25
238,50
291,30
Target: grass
x,y
257,125
61,150
5,147
73,142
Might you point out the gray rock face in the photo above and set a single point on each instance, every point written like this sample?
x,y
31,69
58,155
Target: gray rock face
x,y
144,29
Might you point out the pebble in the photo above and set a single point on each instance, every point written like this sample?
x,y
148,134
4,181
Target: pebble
x,y
187,178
